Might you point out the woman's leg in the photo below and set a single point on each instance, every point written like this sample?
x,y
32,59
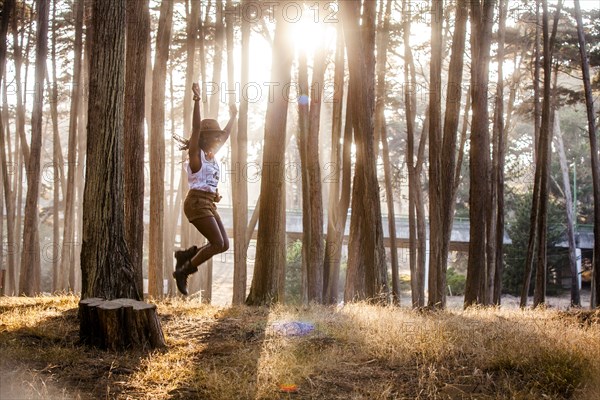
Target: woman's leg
x,y
212,229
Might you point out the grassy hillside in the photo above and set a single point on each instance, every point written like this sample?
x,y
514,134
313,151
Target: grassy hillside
x,y
355,352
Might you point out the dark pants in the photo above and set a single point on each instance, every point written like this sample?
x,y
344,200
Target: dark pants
x,y
213,230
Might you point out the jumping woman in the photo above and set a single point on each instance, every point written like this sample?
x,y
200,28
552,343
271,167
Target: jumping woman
x,y
199,205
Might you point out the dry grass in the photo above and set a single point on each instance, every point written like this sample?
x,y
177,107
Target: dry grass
x,y
355,352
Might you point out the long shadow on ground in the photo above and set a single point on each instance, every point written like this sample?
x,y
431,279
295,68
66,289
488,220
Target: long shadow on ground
x,y
225,365
44,360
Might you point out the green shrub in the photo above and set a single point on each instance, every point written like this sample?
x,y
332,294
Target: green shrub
x,y
455,283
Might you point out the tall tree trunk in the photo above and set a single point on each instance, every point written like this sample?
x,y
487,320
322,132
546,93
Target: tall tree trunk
x,y
539,295
309,110
589,103
68,251
448,151
545,140
420,212
302,136
20,83
534,217
157,151
30,257
107,271
381,132
217,60
410,112
9,282
270,252
481,27
202,32
516,77
336,212
564,168
138,36
76,274
436,285
316,253
239,159
57,165
495,290
367,272
537,113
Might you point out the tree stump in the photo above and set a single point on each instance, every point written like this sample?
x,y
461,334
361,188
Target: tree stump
x,y
119,324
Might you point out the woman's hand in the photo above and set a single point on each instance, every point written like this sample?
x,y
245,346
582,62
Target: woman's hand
x,y
196,89
232,111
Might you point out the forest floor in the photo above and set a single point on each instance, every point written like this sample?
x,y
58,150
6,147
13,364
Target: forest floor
x,y
355,351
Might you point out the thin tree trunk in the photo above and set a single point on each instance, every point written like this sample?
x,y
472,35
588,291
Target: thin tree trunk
x,y
436,284
76,276
217,60
270,252
239,159
138,28
57,164
157,151
303,126
67,250
495,257
30,258
539,295
420,212
9,283
381,132
202,33
536,85
564,168
417,300
589,103
335,214
18,59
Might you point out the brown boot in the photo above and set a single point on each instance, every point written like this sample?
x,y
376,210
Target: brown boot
x,y
183,255
182,274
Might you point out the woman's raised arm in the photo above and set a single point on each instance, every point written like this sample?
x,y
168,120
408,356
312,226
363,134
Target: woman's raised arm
x,y
194,153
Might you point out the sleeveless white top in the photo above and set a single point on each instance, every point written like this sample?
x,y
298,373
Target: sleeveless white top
x,y
207,178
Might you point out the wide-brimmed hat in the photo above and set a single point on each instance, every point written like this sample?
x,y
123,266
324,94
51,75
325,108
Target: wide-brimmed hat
x,y
210,126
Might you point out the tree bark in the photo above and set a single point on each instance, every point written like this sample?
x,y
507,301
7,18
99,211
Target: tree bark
x,y
9,283
409,106
589,103
337,214
18,59
57,167
303,122
495,291
381,132
120,324
107,271
367,273
436,285
157,151
448,151
481,27
68,252
217,60
564,168
138,36
239,159
270,251
539,295
30,256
